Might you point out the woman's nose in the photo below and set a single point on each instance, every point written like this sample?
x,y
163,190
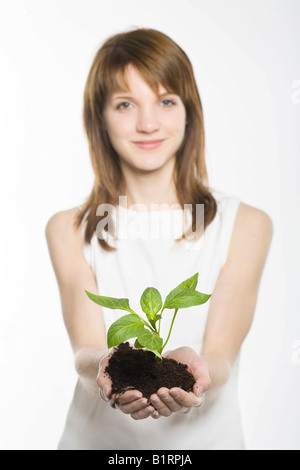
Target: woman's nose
x,y
147,120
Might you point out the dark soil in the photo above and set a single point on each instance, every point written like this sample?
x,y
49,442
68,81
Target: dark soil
x,y
137,369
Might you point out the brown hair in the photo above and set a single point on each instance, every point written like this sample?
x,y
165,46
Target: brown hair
x,y
160,61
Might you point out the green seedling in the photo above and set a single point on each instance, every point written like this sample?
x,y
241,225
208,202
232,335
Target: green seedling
x,y
147,333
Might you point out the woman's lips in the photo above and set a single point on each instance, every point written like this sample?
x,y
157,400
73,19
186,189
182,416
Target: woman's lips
x,y
148,144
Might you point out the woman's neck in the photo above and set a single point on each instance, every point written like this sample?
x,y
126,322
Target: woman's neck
x,y
150,188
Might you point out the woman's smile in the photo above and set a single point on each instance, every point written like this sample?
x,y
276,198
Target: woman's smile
x,y
149,144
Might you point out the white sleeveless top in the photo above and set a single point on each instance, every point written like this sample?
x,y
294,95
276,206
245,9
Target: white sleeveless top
x,y
140,262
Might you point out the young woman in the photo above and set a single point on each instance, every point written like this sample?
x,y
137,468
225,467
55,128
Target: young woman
x,y
144,122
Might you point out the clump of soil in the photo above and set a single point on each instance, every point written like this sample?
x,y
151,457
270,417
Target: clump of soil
x,y
137,369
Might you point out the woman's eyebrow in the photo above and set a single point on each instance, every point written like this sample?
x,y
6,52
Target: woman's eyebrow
x,y
117,96
120,95
161,95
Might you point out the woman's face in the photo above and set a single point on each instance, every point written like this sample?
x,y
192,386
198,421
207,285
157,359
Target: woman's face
x,y
145,129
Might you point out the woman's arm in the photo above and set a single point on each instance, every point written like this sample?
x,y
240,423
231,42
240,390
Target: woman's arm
x,y
232,307
233,302
83,319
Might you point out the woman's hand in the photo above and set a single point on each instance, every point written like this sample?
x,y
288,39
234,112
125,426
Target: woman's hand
x,y
131,402
168,401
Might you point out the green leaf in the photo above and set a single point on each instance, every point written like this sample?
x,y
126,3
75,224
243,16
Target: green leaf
x,y
190,283
151,303
126,327
157,353
110,302
150,344
149,340
137,345
183,298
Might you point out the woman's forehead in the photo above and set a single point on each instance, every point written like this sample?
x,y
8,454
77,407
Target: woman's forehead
x,y
124,81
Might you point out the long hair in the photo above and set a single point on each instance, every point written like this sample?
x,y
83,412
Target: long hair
x,y
159,60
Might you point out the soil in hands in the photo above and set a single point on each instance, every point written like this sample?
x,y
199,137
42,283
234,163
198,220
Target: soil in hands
x,y
136,369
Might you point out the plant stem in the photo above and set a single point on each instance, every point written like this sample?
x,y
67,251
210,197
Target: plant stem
x,y
148,325
160,320
174,316
145,323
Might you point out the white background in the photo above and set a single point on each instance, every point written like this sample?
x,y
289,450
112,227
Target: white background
x,y
246,57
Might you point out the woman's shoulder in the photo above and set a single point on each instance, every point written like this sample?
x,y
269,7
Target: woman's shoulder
x,y
246,213
243,225
253,220
62,220
61,228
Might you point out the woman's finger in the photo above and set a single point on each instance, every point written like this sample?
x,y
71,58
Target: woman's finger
x,y
164,403
134,406
185,399
144,413
129,396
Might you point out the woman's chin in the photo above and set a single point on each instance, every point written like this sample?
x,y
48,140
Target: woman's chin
x,y
148,165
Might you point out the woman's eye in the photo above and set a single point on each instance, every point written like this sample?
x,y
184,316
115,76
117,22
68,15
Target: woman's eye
x,y
168,103
124,105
